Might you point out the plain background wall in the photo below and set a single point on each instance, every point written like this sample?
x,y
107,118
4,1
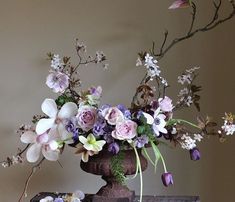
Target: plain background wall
x,y
31,28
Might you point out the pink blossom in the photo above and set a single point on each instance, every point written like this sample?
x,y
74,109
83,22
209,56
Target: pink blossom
x,y
180,4
57,81
165,104
86,117
125,130
113,115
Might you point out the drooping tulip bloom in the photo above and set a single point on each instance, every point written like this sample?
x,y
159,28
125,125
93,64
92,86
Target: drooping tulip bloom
x,y
195,154
167,179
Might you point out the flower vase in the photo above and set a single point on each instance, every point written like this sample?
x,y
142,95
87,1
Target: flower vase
x,y
113,191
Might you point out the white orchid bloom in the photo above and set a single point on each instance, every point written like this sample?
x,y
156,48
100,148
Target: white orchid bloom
x,y
159,122
40,143
56,119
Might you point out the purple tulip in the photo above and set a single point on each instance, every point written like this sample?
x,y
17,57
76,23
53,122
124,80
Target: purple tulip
x,y
167,179
195,154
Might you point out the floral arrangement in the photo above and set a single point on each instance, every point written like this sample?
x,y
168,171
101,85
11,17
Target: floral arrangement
x,y
77,119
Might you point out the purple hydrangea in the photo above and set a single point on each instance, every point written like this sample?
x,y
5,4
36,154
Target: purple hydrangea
x,y
71,126
126,112
141,141
99,127
114,148
102,108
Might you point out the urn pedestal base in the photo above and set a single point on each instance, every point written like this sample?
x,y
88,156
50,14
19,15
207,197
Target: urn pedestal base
x,y
113,191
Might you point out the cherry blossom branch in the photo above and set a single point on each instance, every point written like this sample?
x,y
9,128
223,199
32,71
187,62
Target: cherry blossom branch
x,y
33,170
213,23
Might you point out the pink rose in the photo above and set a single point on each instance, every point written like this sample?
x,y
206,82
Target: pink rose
x,y
125,130
113,115
165,104
86,117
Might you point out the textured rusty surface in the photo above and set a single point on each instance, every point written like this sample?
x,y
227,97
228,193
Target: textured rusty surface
x,y
100,164
92,198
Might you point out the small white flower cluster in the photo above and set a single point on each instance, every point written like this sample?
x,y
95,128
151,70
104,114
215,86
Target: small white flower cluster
x,y
151,64
23,128
185,97
189,142
227,128
12,161
186,77
56,63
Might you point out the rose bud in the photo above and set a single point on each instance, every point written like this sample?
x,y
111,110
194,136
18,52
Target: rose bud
x,y
195,154
167,179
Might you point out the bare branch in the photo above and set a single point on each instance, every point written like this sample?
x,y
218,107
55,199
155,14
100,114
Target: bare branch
x,y
33,170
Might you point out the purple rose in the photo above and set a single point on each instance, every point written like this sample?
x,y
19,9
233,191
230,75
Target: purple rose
x,y
86,117
165,104
57,81
113,115
125,130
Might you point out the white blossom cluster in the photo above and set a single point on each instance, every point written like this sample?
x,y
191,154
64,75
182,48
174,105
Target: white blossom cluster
x,y
151,65
227,128
189,142
56,63
12,161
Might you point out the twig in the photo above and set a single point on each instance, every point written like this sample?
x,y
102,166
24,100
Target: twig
x,y
214,22
33,170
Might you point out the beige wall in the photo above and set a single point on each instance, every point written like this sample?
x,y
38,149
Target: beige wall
x,y
30,28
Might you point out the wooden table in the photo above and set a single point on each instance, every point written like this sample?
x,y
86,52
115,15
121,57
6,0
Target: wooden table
x,y
145,198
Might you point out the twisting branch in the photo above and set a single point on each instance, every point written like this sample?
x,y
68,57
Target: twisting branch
x,y
214,22
33,170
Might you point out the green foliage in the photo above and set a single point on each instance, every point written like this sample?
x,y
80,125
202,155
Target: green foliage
x,y
62,99
117,168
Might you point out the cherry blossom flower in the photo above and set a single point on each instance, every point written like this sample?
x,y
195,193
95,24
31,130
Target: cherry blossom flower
x,y
40,143
57,119
57,81
56,63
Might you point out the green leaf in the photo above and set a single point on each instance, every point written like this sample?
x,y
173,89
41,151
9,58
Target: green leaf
x,y
141,129
157,155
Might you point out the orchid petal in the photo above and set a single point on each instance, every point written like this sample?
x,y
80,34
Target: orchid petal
x,y
44,124
50,154
64,134
149,118
28,137
33,153
68,110
49,107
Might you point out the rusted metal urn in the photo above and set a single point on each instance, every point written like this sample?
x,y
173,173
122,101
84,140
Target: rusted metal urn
x,y
100,164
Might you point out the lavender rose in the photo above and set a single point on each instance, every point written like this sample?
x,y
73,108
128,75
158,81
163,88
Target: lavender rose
x,y
86,117
125,130
113,115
